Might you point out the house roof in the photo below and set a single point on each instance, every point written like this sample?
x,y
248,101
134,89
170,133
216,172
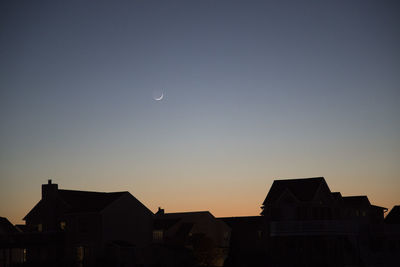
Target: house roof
x,y
394,216
336,195
81,201
167,220
185,215
303,189
356,201
86,201
6,227
244,221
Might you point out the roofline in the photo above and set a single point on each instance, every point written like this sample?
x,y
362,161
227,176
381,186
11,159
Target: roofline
x,y
302,178
355,196
25,217
241,217
84,191
202,211
124,193
375,206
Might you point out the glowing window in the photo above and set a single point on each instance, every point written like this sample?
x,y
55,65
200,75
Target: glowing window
x,y
63,225
80,253
157,235
40,227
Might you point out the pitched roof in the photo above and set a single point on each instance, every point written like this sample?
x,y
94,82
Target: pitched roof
x,y
394,216
303,189
6,227
356,201
186,215
86,201
336,195
81,201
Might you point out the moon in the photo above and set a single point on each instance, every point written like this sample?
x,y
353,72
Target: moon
x,y
158,95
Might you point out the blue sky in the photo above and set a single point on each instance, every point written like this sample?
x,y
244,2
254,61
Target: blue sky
x,y
254,91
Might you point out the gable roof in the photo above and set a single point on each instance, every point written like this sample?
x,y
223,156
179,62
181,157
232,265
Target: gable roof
x,y
86,201
336,195
81,201
356,201
304,189
394,216
6,226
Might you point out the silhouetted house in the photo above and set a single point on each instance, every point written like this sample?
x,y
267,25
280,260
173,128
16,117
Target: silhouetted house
x,y
310,225
248,241
393,216
206,237
10,253
86,228
359,208
392,236
298,199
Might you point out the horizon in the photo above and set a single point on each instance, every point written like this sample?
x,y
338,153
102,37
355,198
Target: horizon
x,y
195,105
20,221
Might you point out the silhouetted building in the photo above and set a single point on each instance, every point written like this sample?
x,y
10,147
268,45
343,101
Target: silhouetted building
x,y
86,228
10,253
200,233
310,225
393,216
392,237
302,223
248,241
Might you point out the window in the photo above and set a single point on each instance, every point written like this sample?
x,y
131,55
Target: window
x,y
80,253
63,225
24,255
364,213
40,227
157,235
260,234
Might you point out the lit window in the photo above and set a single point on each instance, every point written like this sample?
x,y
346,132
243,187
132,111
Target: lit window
x,y
80,253
40,227
24,255
63,225
364,213
157,235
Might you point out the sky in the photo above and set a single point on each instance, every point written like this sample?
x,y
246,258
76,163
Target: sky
x,y
253,91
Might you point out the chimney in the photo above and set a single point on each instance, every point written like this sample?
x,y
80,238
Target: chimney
x,y
160,211
49,190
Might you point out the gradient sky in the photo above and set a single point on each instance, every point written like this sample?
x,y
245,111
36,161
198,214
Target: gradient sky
x,y
254,91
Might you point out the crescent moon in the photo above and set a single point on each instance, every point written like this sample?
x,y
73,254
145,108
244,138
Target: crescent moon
x,y
160,97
